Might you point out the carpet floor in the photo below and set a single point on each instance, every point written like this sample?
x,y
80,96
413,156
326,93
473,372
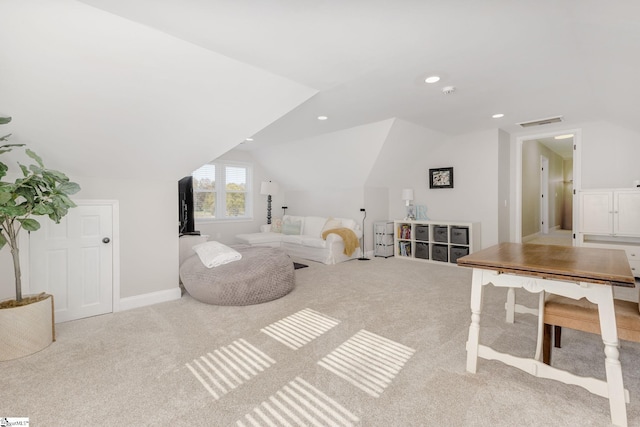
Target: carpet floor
x,y
377,343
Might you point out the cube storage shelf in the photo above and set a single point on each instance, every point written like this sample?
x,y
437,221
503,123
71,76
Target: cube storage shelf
x,y
435,241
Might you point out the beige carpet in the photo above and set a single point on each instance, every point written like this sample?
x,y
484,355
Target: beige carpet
x,y
373,343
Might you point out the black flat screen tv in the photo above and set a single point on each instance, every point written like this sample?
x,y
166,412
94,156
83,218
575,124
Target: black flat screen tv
x,y
185,206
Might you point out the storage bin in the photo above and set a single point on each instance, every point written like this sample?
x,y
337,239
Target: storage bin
x,y
440,233
422,233
422,250
458,252
440,252
460,235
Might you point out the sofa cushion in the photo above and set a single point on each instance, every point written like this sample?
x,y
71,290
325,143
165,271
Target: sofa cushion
x,y
313,242
276,225
313,226
331,224
291,227
259,238
292,238
348,223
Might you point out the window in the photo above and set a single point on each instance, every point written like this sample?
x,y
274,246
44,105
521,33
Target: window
x,y
222,190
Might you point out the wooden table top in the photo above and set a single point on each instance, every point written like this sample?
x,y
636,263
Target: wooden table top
x,y
593,265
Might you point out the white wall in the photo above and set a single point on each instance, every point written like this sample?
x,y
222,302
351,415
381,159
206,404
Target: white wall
x,y
148,234
610,156
409,153
504,195
148,231
400,164
337,160
474,197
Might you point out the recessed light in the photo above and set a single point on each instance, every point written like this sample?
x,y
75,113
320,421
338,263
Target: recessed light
x,y
498,116
432,79
249,139
567,136
322,117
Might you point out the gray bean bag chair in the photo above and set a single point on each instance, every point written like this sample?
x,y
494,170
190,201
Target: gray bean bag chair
x,y
263,274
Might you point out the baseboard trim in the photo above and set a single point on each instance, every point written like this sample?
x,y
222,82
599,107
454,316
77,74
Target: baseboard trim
x,y
149,299
530,237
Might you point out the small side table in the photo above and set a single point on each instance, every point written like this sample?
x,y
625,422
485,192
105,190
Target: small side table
x,y
383,238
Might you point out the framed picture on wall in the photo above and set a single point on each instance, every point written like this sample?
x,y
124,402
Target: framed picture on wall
x,y
441,178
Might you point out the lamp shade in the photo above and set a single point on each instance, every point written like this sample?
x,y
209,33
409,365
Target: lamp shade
x,y
268,188
407,194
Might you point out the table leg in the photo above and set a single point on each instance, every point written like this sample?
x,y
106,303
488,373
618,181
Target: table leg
x,y
474,329
541,298
510,305
617,402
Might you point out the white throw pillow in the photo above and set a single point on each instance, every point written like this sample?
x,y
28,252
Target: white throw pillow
x,y
349,223
331,224
213,254
291,227
276,225
313,225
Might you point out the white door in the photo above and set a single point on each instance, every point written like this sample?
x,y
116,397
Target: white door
x,y
73,261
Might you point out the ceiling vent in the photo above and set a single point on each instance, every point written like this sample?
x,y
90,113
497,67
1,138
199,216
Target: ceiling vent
x,y
540,122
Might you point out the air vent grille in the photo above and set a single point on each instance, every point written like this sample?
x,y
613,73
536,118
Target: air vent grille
x,y
540,122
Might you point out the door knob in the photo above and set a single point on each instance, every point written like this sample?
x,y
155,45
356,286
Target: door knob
x,y
106,240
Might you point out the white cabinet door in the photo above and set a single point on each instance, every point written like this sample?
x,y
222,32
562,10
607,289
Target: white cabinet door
x,y
627,212
596,212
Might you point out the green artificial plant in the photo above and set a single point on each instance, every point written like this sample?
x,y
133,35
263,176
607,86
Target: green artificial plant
x,y
39,191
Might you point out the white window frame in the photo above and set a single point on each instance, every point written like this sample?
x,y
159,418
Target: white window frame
x,y
221,192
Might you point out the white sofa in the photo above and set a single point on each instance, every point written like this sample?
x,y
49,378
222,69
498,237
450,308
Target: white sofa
x,y
301,236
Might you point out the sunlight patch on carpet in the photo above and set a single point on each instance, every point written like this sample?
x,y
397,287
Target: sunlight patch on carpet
x,y
300,328
299,403
368,361
228,367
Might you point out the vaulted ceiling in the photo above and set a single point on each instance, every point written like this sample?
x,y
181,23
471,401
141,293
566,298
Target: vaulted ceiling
x,y
368,58
154,88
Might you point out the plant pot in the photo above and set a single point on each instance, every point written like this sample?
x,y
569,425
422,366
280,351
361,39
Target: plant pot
x,y
26,329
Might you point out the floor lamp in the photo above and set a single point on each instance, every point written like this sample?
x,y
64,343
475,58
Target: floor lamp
x,y
267,188
362,257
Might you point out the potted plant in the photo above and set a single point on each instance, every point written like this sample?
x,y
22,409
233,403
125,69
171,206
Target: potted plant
x,y
26,323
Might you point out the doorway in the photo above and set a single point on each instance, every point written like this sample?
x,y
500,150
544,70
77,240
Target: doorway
x,y
547,180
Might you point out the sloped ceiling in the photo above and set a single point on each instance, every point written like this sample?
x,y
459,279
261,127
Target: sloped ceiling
x,y
98,95
368,58
337,160
153,88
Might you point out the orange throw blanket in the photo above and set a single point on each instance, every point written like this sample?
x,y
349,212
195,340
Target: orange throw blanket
x,y
350,239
